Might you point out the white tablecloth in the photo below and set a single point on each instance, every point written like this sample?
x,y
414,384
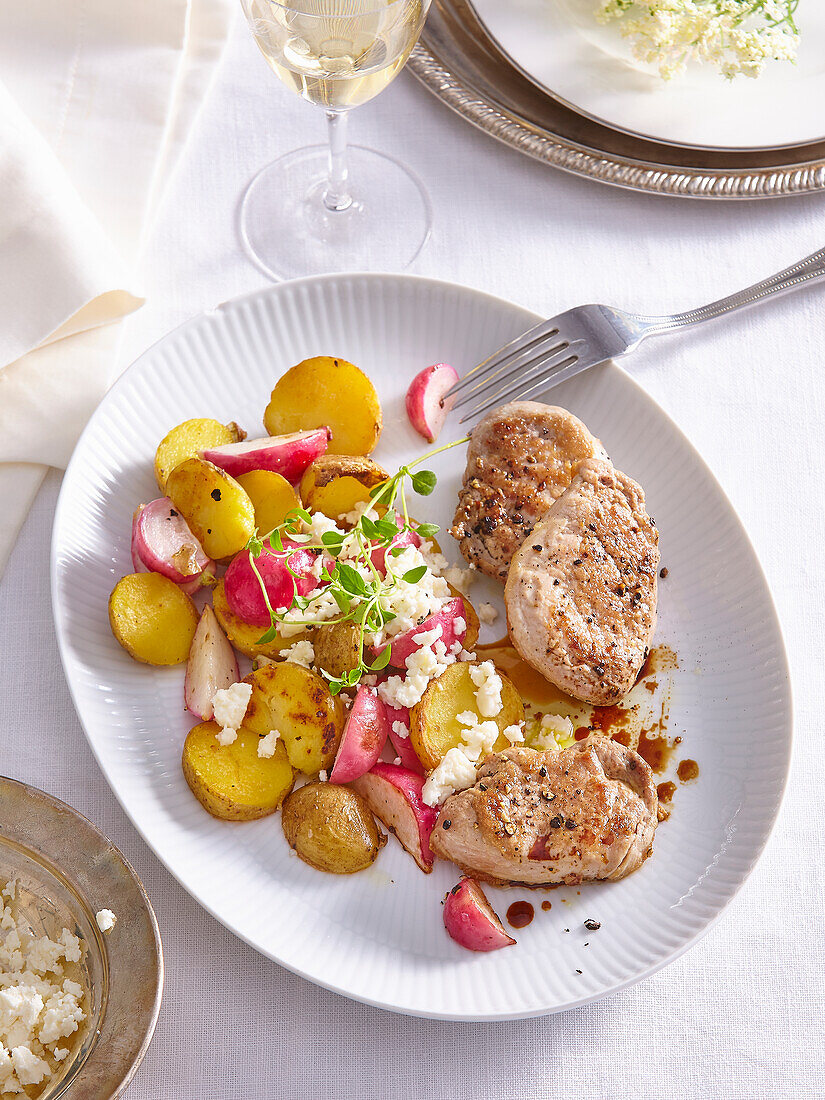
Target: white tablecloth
x,y
742,1014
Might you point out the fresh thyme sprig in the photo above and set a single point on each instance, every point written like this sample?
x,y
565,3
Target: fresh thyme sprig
x,y
360,599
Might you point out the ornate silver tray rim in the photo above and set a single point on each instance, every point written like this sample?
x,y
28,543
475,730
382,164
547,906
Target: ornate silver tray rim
x,y
500,118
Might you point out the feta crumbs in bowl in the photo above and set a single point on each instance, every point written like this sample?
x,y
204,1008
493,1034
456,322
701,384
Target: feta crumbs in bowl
x,y
43,1003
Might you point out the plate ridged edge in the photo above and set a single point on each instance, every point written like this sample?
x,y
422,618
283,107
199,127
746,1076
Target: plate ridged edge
x,y
622,172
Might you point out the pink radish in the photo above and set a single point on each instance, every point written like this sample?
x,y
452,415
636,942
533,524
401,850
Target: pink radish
x,y
243,591
471,920
401,742
402,539
450,618
427,407
162,543
395,796
364,737
287,455
212,665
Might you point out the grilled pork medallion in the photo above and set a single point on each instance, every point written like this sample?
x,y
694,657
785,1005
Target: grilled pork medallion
x,y
520,459
582,589
535,818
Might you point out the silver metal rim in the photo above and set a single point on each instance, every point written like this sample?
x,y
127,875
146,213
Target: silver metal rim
x,y
636,175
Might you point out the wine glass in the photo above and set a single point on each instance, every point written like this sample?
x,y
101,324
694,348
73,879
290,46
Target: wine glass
x,y
302,214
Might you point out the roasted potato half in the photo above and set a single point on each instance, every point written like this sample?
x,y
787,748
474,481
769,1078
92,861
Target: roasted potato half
x,y
296,702
231,781
434,727
152,618
187,440
331,828
334,484
272,497
327,392
218,511
337,647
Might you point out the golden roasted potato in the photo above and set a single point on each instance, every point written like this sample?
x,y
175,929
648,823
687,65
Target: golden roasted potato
x,y
337,648
334,484
214,505
331,828
232,781
327,392
434,726
244,636
296,702
272,497
470,618
187,439
153,619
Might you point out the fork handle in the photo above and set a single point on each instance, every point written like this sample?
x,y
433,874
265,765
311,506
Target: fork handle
x,y
809,270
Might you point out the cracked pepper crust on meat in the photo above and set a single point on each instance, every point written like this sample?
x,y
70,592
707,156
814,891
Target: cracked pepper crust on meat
x,y
581,593
520,459
536,818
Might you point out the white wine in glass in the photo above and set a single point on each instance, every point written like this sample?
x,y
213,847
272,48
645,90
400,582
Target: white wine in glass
x,y
303,214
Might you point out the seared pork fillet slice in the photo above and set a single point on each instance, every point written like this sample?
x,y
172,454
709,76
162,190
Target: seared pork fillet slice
x,y
521,457
581,592
585,813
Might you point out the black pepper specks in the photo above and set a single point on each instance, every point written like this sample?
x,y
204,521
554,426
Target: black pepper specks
x,y
592,925
446,824
215,494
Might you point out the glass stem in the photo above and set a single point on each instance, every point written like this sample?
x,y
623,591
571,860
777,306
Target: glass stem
x,y
336,195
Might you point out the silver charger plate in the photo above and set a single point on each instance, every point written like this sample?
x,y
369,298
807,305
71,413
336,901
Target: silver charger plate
x,y
460,63
66,871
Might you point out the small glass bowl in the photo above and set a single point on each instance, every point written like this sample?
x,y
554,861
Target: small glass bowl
x,y
66,871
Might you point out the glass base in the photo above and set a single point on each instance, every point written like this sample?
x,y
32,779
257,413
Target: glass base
x,y
288,231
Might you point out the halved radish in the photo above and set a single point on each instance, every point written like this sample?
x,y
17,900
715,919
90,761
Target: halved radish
x,y
451,619
212,665
394,795
398,717
402,540
284,575
471,920
364,737
427,407
287,455
163,543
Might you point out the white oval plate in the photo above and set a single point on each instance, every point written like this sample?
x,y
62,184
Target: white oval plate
x,y
378,936
590,66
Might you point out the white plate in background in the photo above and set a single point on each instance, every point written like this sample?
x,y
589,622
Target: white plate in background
x,y
378,936
590,66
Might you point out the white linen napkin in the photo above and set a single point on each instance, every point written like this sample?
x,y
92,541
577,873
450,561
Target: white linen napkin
x,y
96,102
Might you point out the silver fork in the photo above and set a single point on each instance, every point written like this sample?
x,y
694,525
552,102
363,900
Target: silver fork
x,y
580,338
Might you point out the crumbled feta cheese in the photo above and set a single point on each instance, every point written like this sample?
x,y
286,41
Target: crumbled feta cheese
x,y
35,1009
460,625
106,920
300,653
30,1069
397,761
459,578
553,732
400,729
515,733
487,614
423,665
488,688
456,772
229,708
268,744
322,775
